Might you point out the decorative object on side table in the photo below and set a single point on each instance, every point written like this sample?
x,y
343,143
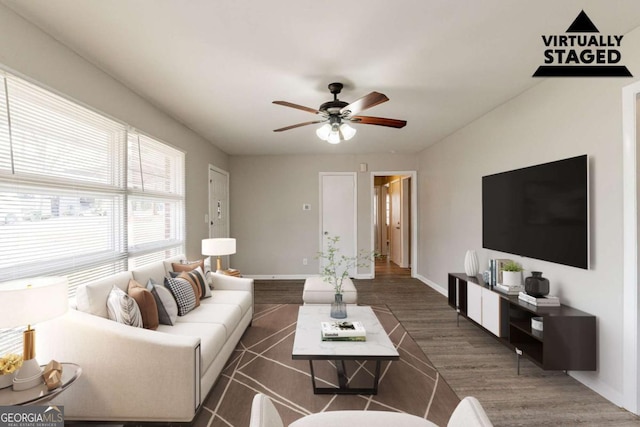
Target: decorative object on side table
x,y
52,375
335,268
27,302
471,265
9,366
536,285
512,274
218,247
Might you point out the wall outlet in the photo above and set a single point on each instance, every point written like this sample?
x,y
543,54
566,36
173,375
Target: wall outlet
x,y
305,261
306,207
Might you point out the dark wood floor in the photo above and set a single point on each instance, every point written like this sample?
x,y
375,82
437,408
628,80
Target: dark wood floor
x,y
469,359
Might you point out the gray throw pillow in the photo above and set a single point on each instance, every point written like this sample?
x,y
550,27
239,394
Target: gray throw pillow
x,y
167,306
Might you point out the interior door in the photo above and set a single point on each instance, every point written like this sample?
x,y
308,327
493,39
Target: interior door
x,y
219,205
338,212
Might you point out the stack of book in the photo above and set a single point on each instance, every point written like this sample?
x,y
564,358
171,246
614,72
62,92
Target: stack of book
x,y
509,290
546,301
343,331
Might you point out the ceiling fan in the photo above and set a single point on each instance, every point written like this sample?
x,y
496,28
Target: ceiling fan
x,y
336,114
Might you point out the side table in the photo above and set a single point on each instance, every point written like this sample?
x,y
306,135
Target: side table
x,y
40,394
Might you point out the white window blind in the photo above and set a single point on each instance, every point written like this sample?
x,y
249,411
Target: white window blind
x,y
155,200
69,205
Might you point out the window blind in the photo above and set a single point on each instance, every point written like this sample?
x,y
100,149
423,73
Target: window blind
x,y
69,205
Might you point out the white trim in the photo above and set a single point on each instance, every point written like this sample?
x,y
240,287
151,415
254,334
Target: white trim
x,y
414,215
433,285
279,276
630,354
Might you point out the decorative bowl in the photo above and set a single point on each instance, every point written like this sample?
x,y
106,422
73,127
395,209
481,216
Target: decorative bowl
x,y
6,380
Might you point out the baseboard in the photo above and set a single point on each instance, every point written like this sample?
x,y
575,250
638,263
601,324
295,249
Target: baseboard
x,y
433,285
295,276
278,276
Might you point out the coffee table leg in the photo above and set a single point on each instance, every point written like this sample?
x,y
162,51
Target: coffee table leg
x,y
342,374
313,377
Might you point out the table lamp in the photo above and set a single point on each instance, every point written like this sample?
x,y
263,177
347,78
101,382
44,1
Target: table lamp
x,y
27,302
218,247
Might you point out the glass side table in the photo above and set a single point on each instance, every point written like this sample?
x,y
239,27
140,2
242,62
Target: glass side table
x,y
40,394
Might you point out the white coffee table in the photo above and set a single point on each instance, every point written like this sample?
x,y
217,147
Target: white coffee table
x,y
308,345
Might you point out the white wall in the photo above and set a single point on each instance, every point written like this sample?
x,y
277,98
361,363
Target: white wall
x,y
558,118
35,55
267,193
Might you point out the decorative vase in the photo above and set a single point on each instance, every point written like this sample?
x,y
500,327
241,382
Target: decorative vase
x,y
338,308
536,285
512,278
6,380
471,263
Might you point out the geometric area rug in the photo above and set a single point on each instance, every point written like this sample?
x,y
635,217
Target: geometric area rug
x,y
261,363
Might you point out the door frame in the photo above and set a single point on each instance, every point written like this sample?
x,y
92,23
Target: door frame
x,y
631,296
414,214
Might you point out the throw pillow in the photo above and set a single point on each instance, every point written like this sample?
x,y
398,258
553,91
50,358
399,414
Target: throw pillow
x,y
183,293
167,306
187,265
196,289
204,283
146,303
122,308
194,277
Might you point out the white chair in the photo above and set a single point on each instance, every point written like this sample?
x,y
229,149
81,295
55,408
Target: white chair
x,y
468,413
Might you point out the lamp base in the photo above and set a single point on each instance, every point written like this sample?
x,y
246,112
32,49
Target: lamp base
x,y
29,375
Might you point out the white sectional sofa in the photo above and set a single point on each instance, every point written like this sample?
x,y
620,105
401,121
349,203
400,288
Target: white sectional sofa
x,y
136,374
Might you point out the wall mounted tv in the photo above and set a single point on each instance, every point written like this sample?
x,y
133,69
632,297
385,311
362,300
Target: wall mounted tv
x,y
539,212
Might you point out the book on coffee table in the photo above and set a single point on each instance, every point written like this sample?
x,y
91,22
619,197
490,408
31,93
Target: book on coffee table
x,y
343,331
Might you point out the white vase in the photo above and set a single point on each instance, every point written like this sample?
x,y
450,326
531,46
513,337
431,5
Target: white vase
x,y
512,278
471,263
6,380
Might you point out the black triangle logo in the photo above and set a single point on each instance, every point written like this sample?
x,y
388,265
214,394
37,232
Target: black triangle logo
x,y
582,24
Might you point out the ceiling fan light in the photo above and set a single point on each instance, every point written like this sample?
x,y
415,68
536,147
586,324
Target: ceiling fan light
x,y
334,138
323,131
347,131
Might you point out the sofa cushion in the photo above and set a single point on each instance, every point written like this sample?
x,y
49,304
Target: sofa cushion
x,y
183,292
167,305
212,339
221,314
146,303
187,265
242,299
92,297
122,308
154,271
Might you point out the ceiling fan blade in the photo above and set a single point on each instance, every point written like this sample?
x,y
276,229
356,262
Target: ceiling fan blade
x,y
380,121
296,106
298,125
367,101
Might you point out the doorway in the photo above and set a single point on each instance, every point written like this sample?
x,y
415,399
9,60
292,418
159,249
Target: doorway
x,y
394,218
218,218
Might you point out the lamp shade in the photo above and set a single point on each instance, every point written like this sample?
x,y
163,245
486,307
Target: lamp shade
x,y
218,246
30,301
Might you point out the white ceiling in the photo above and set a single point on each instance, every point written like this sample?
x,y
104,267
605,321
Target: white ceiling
x,y
216,65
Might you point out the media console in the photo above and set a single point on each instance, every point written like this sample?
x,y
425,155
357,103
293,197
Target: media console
x,y
568,339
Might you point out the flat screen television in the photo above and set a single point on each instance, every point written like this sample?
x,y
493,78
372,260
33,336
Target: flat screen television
x,y
539,212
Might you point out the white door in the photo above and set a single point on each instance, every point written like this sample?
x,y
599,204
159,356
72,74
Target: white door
x,y
338,212
219,204
396,228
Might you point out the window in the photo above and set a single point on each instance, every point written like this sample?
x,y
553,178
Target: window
x,y
81,195
155,200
